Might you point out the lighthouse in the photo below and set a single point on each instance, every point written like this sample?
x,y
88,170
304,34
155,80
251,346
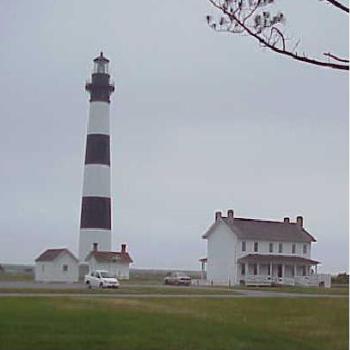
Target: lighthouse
x,y
96,217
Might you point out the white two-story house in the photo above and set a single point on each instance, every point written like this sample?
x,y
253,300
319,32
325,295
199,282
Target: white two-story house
x,y
244,251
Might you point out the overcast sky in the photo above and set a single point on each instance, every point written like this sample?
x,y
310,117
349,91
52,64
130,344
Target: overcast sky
x,y
201,121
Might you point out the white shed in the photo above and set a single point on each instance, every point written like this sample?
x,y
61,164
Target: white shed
x,y
116,263
56,265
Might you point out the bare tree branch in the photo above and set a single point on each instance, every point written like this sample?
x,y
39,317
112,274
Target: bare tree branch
x,y
336,57
249,17
338,5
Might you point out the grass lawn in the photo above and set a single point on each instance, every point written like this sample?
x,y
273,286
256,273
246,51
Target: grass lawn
x,y
16,277
173,324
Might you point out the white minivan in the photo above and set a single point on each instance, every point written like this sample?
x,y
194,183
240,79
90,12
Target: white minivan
x,y
101,279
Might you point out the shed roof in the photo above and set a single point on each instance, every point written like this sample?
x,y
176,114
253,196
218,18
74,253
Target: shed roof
x,y
105,256
52,254
257,229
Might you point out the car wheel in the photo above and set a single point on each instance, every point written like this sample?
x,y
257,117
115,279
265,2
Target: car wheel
x,y
101,285
88,284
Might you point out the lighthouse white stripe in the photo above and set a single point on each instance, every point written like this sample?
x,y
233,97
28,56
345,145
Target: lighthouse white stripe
x,y
97,181
98,118
88,237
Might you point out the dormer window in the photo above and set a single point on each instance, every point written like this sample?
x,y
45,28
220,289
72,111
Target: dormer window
x,y
293,248
244,248
256,246
271,247
280,248
304,248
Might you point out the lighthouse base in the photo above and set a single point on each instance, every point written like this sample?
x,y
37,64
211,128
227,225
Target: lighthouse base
x,y
90,238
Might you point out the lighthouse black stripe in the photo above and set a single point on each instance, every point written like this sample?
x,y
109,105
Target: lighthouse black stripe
x,y
100,88
96,213
97,149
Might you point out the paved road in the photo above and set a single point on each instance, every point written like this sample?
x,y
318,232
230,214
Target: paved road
x,y
242,293
173,296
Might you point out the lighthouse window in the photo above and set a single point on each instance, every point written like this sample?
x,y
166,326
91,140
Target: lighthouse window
x,y
100,68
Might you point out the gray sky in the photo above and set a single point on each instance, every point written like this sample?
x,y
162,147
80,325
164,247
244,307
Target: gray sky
x,y
201,121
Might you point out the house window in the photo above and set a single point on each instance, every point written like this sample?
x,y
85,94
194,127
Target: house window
x,y
256,246
293,248
242,269
243,246
42,268
255,267
280,248
65,268
271,247
304,248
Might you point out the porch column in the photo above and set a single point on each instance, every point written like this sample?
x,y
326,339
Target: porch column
x,y
257,269
203,270
295,270
316,269
271,268
283,266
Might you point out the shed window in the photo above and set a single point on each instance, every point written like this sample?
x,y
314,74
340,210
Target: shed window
x,y
244,246
271,247
65,268
280,248
256,246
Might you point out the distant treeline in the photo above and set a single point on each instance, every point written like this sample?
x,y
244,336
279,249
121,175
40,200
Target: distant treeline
x,y
150,274
341,278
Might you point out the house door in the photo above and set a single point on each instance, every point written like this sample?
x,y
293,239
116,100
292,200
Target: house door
x,y
279,270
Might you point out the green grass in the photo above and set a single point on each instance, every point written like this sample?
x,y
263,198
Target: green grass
x,y
173,324
125,290
303,290
16,277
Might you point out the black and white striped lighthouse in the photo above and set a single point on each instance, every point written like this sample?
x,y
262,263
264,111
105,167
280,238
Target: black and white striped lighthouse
x,y
96,218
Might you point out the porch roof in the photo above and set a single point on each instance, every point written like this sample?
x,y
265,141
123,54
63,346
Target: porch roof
x,y
277,258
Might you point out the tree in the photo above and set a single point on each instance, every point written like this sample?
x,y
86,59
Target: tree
x,y
253,18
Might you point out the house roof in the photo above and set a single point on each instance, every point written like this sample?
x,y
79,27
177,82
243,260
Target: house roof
x,y
52,254
275,257
104,256
268,230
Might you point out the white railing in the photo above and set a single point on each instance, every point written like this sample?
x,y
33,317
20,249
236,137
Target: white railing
x,y
257,280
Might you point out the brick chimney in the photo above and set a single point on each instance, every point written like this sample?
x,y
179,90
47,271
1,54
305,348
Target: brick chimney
x,y
217,215
123,248
300,221
95,247
230,215
286,220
